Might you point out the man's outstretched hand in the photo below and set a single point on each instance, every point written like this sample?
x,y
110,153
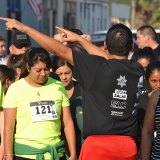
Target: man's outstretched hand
x,y
12,24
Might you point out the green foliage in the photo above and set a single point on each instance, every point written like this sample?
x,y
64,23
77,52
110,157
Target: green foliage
x,y
152,10
155,21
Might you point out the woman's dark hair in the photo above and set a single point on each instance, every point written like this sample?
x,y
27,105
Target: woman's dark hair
x,y
146,53
2,38
6,73
59,62
15,61
155,65
35,55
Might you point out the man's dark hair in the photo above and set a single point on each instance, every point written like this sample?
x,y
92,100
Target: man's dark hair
x,y
75,45
77,31
119,40
148,30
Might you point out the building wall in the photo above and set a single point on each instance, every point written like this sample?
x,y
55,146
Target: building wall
x,y
21,10
94,16
87,15
3,13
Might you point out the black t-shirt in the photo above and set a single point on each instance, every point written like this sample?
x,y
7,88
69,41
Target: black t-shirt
x,y
143,101
110,92
156,52
76,92
77,115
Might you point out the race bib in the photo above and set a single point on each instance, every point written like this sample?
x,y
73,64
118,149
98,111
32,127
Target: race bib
x,y
43,111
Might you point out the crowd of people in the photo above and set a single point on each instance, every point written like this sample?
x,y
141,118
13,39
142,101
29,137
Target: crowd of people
x,y
83,102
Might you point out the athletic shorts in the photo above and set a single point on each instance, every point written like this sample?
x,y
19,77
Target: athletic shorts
x,y
108,147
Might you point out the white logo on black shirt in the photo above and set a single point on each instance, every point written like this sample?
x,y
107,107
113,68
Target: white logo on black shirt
x,y
120,94
117,113
121,81
118,104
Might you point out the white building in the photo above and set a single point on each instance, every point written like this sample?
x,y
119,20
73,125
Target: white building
x,y
86,15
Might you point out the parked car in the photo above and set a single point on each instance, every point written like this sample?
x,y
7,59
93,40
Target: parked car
x,y
98,37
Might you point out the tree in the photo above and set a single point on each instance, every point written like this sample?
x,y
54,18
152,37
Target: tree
x,y
147,12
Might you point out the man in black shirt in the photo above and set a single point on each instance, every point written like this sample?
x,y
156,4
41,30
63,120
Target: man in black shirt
x,y
111,88
147,37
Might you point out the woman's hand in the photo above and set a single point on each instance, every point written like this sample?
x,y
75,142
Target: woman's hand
x,y
1,152
72,158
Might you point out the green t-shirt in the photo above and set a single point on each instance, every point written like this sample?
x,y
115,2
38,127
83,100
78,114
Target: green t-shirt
x,y
1,105
1,95
31,102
